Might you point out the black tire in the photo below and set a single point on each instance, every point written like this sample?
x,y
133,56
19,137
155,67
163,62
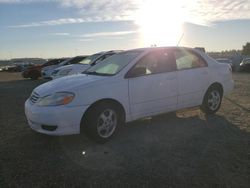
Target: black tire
x,y
102,122
212,100
35,75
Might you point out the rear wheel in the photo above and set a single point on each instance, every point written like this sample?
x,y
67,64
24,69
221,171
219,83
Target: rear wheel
x,y
102,121
212,100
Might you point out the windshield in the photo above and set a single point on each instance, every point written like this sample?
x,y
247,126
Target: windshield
x,y
113,64
90,59
64,62
54,61
73,60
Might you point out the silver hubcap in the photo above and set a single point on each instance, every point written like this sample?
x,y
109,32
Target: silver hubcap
x,y
214,100
106,123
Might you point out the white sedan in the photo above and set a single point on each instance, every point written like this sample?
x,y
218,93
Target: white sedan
x,y
127,86
82,65
47,71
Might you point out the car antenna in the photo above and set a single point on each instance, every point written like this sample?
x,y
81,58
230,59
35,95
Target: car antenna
x,y
180,39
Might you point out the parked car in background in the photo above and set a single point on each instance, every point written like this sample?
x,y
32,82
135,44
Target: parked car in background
x,y
16,67
10,68
34,72
82,65
3,68
128,86
227,61
47,71
23,66
245,65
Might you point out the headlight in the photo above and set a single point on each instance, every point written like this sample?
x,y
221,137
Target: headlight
x,y
65,72
56,99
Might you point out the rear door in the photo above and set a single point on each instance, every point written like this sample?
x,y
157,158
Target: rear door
x,y
193,77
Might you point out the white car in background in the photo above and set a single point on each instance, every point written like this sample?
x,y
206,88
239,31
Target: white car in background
x,y
128,86
47,71
82,65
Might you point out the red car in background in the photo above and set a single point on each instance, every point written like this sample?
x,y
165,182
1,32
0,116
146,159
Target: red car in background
x,y
34,72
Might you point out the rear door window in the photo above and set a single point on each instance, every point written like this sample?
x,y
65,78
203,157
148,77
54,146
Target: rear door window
x,y
186,59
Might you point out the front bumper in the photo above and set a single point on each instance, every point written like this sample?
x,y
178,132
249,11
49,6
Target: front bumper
x,y
66,119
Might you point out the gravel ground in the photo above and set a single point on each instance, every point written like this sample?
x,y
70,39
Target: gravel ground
x,y
182,149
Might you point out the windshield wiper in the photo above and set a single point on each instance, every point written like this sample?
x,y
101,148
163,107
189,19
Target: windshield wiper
x,y
96,73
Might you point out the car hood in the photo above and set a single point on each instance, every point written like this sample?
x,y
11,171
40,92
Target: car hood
x,y
68,83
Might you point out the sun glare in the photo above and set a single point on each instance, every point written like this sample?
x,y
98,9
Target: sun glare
x,y
160,22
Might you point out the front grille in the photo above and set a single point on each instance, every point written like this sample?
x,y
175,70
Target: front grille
x,y
34,97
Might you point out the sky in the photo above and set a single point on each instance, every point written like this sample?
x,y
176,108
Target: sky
x,y
63,28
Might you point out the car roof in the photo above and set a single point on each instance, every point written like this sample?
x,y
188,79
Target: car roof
x,y
79,56
162,47
105,53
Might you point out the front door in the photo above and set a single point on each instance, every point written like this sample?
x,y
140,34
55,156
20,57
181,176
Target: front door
x,y
154,89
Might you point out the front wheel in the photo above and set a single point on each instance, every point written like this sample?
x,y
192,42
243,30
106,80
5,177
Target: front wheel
x,y
212,100
102,121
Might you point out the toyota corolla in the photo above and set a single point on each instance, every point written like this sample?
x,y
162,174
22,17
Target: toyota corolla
x,y
127,86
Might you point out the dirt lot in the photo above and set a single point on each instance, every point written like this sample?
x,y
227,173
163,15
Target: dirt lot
x,y
183,149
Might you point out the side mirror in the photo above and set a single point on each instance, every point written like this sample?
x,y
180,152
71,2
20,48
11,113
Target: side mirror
x,y
135,72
